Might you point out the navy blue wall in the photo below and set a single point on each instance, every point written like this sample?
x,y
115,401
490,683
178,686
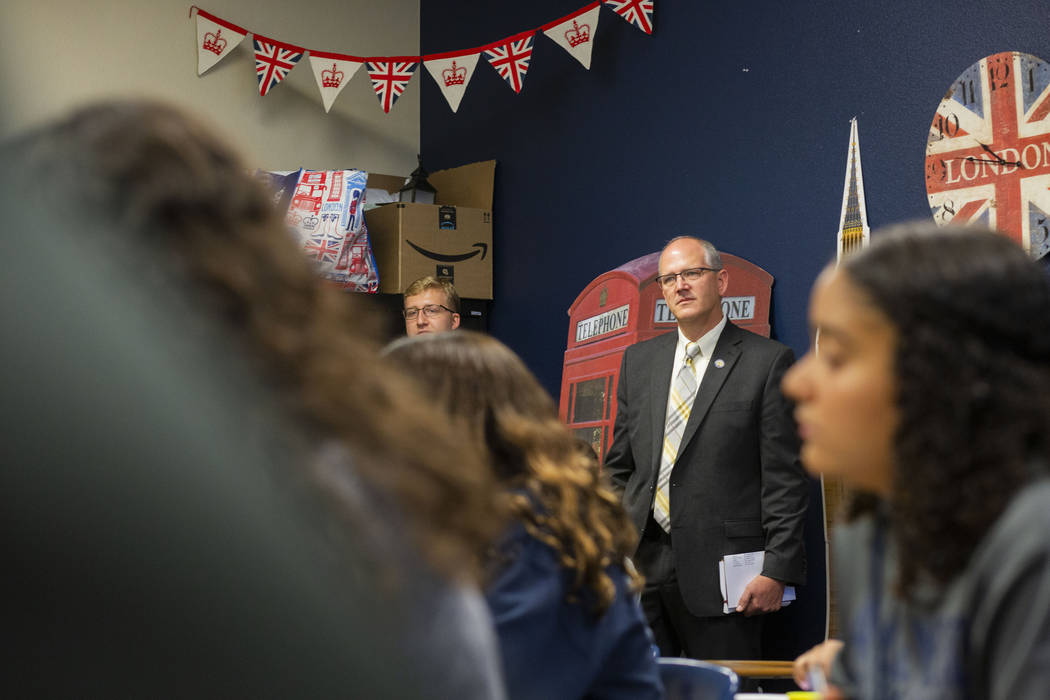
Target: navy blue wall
x,y
731,122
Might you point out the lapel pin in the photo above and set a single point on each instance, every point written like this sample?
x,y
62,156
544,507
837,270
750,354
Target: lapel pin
x,y
720,363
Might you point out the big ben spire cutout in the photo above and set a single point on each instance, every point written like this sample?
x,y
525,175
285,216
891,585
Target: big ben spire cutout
x,y
854,232
853,235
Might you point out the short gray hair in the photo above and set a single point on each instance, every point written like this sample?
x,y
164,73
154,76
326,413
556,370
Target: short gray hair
x,y
714,258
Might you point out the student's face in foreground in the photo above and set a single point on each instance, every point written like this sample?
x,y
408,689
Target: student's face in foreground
x,y
845,387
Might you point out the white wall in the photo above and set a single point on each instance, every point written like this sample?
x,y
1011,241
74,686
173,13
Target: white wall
x,y
55,54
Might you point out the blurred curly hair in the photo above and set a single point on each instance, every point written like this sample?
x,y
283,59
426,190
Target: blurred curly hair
x,y
147,175
550,484
972,315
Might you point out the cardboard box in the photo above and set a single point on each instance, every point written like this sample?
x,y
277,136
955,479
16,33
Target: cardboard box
x,y
451,239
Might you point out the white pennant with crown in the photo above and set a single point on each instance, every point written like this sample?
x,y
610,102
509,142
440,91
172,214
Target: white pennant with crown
x,y
575,33
332,71
452,73
215,40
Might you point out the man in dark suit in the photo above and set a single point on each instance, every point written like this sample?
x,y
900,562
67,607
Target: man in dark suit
x,y
705,454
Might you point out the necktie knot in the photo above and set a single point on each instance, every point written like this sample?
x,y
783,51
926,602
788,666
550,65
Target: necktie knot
x,y
691,351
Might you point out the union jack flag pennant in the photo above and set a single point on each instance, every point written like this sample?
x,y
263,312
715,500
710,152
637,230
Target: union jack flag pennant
x,y
637,12
389,78
273,61
510,57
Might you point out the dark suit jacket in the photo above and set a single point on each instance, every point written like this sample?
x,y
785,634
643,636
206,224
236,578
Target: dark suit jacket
x,y
737,485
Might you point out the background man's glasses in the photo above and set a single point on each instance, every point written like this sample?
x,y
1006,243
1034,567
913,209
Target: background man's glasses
x,y
693,274
430,311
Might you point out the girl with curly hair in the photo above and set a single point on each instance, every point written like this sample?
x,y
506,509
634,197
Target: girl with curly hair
x,y
561,591
930,395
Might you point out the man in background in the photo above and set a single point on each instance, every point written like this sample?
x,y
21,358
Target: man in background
x,y
431,306
705,454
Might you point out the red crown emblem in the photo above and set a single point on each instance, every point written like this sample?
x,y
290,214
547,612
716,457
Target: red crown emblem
x,y
454,75
331,78
578,35
214,43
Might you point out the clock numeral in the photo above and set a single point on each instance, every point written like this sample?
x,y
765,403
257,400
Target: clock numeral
x,y
999,76
947,207
1031,80
947,126
969,95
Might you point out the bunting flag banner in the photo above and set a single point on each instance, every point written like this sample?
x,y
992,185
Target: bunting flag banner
x,y
333,71
273,61
575,33
452,72
637,12
215,39
510,57
390,76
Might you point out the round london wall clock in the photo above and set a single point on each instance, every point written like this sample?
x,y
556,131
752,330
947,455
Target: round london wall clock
x,y
988,152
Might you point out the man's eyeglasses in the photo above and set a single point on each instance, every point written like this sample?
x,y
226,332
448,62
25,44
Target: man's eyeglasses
x,y
430,311
693,274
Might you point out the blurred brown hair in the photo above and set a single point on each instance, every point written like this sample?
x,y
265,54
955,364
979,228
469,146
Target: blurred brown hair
x,y
971,313
554,487
160,180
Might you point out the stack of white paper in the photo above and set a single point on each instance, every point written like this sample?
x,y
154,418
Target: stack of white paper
x,y
735,571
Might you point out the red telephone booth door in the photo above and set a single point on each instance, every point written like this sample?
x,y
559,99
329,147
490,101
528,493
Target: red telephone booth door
x,y
625,306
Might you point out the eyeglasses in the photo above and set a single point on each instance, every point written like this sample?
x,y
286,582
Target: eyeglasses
x,y
693,274
430,311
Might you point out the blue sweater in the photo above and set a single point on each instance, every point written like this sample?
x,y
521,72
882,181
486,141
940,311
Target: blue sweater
x,y
985,635
553,649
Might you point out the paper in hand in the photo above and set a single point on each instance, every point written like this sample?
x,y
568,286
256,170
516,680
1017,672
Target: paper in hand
x,y
735,571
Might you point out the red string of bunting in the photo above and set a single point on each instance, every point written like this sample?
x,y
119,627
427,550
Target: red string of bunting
x,y
451,70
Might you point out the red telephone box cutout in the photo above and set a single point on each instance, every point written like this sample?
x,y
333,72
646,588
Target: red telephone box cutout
x,y
624,306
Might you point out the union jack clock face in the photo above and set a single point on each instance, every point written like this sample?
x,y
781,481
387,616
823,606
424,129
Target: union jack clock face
x,y
988,152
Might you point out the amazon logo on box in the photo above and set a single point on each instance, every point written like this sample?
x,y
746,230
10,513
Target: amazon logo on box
x,y
411,240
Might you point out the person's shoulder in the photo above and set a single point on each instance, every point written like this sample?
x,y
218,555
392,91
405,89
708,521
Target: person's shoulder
x,y
656,344
518,548
743,335
862,528
1023,525
753,342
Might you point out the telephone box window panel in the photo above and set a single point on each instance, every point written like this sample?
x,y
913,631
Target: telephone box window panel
x,y
590,400
595,437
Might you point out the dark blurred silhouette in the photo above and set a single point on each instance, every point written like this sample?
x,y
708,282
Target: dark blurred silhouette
x,y
209,486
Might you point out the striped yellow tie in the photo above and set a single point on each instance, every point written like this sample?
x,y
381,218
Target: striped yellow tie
x,y
683,391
